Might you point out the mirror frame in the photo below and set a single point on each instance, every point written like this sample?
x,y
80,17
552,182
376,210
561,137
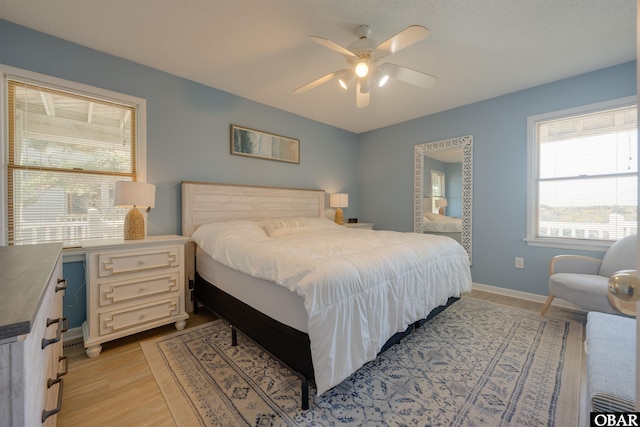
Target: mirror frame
x,y
419,151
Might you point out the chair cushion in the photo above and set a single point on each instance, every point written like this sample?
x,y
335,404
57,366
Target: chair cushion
x,y
611,362
586,290
620,256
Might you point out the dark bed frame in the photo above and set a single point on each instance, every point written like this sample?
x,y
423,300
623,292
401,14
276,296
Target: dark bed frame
x,y
290,346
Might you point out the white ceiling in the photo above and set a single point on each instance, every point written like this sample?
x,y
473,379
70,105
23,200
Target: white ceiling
x,y
259,49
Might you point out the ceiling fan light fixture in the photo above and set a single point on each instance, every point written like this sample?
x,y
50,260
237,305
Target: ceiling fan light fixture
x,y
362,58
345,79
362,69
384,73
365,85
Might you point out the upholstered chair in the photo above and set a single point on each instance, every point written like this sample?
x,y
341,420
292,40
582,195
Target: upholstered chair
x,y
583,280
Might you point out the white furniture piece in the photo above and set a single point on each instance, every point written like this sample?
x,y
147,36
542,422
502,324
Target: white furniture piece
x,y
584,280
31,327
133,286
610,347
365,225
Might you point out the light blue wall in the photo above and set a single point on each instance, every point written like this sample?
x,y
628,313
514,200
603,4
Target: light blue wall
x,y
499,129
188,139
187,133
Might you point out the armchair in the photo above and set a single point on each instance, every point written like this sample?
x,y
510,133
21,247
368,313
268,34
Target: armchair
x,y
583,280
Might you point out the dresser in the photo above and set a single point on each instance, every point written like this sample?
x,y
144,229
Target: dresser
x,y
31,327
132,286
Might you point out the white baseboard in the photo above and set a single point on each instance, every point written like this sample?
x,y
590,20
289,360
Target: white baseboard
x,y
557,302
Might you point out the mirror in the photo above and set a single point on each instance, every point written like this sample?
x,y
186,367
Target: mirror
x,y
435,159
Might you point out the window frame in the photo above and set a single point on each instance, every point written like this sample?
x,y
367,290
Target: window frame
x,y
441,177
8,72
532,166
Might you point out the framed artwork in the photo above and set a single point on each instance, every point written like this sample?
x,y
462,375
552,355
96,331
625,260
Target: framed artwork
x,y
254,143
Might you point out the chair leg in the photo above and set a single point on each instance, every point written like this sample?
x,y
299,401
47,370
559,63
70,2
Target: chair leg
x,y
547,303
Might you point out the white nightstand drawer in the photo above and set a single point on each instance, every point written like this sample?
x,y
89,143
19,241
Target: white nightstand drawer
x,y
131,317
133,288
111,263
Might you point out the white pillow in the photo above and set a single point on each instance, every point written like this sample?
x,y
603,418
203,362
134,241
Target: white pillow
x,y
280,227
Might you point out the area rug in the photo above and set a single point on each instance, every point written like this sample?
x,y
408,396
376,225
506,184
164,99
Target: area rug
x,y
475,364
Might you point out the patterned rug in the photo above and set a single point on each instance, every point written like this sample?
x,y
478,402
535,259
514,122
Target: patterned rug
x,y
475,364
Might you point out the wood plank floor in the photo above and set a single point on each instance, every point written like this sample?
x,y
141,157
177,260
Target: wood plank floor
x,y
118,389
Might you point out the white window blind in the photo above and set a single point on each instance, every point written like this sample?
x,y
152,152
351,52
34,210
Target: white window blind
x,y
65,152
587,175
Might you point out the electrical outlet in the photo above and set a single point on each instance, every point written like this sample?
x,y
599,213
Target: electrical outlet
x,y
519,262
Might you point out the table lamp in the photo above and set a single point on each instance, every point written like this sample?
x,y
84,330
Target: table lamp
x,y
134,194
441,204
339,201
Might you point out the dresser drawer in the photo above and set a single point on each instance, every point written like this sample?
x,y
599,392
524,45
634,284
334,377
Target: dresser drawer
x,y
122,262
134,288
130,317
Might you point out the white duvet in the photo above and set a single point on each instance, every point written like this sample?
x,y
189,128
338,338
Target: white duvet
x,y
441,224
359,286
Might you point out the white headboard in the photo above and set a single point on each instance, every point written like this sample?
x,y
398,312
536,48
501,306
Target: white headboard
x,y
204,202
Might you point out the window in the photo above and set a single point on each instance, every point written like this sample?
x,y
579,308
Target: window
x,y
67,144
437,189
583,175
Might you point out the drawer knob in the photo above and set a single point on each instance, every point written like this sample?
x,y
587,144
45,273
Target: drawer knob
x,y
62,285
142,289
63,326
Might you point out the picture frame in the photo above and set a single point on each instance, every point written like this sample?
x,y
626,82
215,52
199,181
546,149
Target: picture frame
x,y
264,145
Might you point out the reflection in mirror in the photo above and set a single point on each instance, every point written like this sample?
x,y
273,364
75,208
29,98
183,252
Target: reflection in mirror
x,y
442,186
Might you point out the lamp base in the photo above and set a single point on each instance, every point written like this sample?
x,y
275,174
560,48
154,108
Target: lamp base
x,y
339,218
134,225
624,291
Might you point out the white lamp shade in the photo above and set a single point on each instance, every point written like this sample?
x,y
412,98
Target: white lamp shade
x,y
339,200
441,203
141,194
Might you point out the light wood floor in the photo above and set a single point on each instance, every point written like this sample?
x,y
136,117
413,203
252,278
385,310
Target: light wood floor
x,y
118,389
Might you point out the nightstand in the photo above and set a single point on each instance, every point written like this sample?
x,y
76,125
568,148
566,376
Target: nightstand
x,y
367,225
132,286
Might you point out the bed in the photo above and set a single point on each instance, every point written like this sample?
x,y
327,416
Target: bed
x,y
442,225
282,293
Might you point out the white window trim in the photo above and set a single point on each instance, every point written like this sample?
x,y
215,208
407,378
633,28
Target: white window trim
x,y
531,239
7,71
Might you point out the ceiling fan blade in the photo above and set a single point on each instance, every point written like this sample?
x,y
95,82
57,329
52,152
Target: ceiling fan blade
x,y
404,38
316,82
333,46
413,77
362,98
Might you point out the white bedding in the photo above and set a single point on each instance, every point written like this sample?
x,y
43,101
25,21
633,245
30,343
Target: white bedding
x,y
267,297
441,224
359,286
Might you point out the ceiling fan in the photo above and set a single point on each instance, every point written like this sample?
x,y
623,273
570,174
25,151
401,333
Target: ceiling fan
x,y
362,58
